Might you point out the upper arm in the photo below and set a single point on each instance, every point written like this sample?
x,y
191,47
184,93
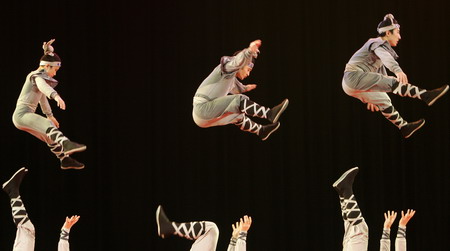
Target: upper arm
x,y
387,59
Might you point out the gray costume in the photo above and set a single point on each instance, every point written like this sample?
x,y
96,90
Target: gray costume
x,y
207,241
239,243
37,88
400,240
212,104
365,76
25,238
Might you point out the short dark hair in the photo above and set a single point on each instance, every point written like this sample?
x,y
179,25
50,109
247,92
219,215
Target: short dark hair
x,y
49,58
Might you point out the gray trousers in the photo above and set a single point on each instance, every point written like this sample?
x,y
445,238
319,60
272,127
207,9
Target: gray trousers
x,y
32,123
207,241
217,112
369,87
356,238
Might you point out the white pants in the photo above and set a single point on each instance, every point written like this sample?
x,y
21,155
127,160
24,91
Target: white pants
x,y
25,239
207,241
356,238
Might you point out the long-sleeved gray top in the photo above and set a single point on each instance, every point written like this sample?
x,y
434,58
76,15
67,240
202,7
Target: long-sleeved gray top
x,y
238,244
222,79
374,56
400,240
37,88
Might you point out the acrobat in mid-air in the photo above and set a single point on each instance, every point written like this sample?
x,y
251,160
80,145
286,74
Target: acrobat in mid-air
x,y
38,88
219,99
366,79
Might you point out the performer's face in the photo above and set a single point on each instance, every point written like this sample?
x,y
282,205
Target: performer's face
x,y
393,37
244,72
51,70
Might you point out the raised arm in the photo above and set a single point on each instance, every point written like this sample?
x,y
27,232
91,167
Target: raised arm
x,y
63,244
385,242
244,57
238,240
400,240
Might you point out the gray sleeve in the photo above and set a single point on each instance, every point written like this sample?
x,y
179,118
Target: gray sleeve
x,y
385,242
400,240
45,106
45,88
233,64
238,87
388,60
232,245
241,243
63,244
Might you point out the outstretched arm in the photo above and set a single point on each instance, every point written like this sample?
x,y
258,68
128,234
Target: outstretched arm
x,y
239,236
244,57
400,240
385,242
63,244
241,88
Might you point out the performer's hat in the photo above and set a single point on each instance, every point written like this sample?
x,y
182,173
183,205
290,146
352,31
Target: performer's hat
x,y
50,57
388,23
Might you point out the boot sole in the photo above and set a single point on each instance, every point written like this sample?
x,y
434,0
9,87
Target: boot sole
x,y
285,105
157,221
12,177
343,176
76,150
72,167
276,128
440,95
412,132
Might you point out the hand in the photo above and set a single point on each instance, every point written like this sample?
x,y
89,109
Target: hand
x,y
401,77
254,46
372,107
246,223
60,102
389,218
71,221
236,230
406,217
250,87
54,121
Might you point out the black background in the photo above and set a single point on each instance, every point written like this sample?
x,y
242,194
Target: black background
x,y
129,72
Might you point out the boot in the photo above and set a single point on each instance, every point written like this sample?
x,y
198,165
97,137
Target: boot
x,y
70,163
263,131
165,227
344,185
392,115
409,90
189,230
410,128
255,110
349,207
429,97
68,146
11,187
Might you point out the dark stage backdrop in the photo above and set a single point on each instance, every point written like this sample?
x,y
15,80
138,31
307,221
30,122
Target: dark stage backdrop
x,y
130,69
